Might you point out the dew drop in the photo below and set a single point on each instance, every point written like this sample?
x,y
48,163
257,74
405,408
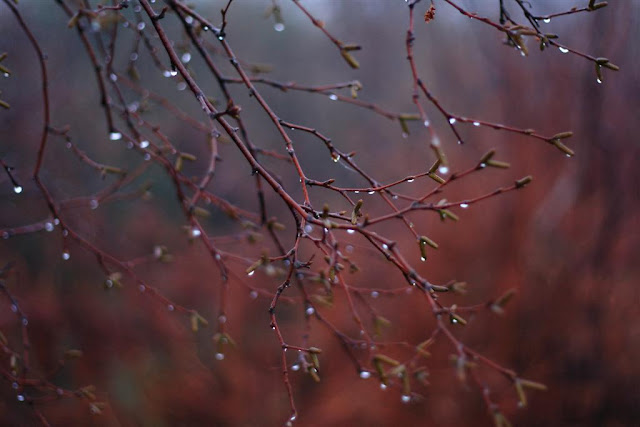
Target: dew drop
x,y
6,74
371,192
384,246
375,294
278,26
405,135
383,386
333,97
173,73
113,77
563,49
166,73
195,232
464,205
170,307
141,288
144,144
476,124
25,321
253,294
423,259
309,311
5,235
219,356
147,157
308,228
15,385
365,374
222,319
115,136
351,231
189,19
483,165
410,180
443,170
186,57
56,221
93,204
14,308
20,398
140,26
181,86
426,123
356,192
406,398
452,121
133,56
17,189
251,273
68,145
547,20
336,158
599,81
66,255
65,232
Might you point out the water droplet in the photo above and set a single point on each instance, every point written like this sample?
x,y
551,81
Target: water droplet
x,y
113,77
406,398
20,398
335,157
410,180
25,321
365,374
371,192
170,307
459,142
222,319
140,26
384,246
166,73
137,9
426,123
483,165
205,28
6,74
454,320
133,56
308,228
66,255
186,57
218,257
547,20
423,259
144,144
68,145
351,231
333,97
17,189
383,386
219,356
173,73
147,157
65,232
375,294
93,204
522,53
15,385
14,308
464,205
356,192
253,294
115,136
56,221
309,311
295,367
251,273
452,120
476,123
405,135
141,288
189,19
195,232
563,49
599,81
443,170
181,86
278,26
293,417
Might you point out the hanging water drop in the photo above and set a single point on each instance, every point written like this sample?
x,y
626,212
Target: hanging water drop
x,y
443,170
253,294
170,307
335,157
308,228
144,144
115,136
48,226
278,26
423,259
189,19
374,294
166,73
17,189
219,356
140,26
333,97
452,121
14,308
20,398
365,374
476,123
384,246
93,204
309,311
383,386
598,80
251,273
426,123
222,319
464,205
113,77
563,49
141,288
410,180
371,192
66,255
173,73
406,398
546,20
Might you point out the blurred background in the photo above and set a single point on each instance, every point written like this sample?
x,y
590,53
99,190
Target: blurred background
x,y
566,242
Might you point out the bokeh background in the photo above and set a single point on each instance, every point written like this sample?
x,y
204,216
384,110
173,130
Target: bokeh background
x,y
569,242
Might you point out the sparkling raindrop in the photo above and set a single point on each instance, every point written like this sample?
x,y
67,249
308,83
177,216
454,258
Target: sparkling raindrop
x,y
384,246
166,73
222,319
251,273
170,307
17,189
443,170
278,26
452,120
333,97
189,19
365,374
295,367
375,294
113,77
93,204
20,398
423,259
410,180
476,123
547,20
406,398
66,255
181,86
351,231
219,356
14,308
144,144
186,57
308,228
464,205
140,26
253,294
141,288
563,49
383,386
309,311
426,123
133,56
115,136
